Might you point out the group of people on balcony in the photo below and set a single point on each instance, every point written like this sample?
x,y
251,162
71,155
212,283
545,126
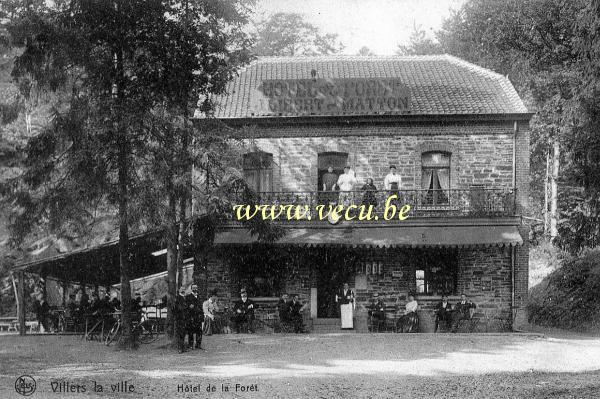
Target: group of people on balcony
x,y
447,315
340,188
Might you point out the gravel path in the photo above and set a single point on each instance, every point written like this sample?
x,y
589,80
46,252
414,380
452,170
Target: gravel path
x,y
310,366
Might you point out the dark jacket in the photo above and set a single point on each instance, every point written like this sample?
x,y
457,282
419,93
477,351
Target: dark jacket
x,y
196,314
440,310
41,309
377,307
284,310
347,298
296,309
244,307
465,309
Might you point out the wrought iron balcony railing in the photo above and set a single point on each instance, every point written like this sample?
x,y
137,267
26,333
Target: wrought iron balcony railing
x,y
473,202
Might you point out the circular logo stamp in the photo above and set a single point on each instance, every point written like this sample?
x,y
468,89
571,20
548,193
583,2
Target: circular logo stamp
x,y
25,385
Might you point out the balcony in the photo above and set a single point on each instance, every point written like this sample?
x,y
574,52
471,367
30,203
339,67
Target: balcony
x,y
476,202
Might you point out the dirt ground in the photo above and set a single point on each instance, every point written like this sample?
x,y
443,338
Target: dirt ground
x,y
311,366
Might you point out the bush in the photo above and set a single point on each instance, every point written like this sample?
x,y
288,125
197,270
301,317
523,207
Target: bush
x,y
570,296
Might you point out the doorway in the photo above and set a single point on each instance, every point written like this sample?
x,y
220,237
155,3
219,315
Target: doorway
x,y
334,266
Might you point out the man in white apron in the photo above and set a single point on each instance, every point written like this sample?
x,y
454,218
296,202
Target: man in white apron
x,y
345,298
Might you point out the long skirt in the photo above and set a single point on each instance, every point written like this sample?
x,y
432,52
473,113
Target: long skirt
x,y
346,311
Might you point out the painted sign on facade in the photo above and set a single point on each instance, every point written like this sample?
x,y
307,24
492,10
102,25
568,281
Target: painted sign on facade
x,y
331,97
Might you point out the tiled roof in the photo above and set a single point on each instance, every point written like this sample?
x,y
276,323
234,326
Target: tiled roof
x,y
438,84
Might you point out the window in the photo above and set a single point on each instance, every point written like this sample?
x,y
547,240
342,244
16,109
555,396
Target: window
x,y
435,177
436,274
258,171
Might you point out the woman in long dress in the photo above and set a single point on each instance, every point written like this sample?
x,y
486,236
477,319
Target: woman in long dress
x,y
346,300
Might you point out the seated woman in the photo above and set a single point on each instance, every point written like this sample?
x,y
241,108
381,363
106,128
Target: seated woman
x,y
211,319
409,322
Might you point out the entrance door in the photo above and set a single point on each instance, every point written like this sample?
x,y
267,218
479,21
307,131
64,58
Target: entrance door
x,y
334,268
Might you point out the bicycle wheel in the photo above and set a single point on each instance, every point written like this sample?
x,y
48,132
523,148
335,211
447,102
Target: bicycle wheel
x,y
146,335
113,333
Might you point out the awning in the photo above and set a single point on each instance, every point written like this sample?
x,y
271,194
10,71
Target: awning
x,y
404,236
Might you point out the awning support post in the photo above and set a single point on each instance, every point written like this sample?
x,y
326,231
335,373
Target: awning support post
x,y
21,301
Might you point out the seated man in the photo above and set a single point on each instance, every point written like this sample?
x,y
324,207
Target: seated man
x,y
243,313
409,322
463,310
377,312
211,319
296,309
443,313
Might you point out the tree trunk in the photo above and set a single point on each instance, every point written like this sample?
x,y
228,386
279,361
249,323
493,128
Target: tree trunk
x,y
554,190
181,239
546,179
127,339
172,250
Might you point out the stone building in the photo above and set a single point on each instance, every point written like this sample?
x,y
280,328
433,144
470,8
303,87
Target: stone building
x,y
458,135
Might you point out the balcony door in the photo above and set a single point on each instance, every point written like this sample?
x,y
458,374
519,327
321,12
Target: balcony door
x,y
435,177
337,160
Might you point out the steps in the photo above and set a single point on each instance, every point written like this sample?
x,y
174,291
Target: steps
x,y
326,326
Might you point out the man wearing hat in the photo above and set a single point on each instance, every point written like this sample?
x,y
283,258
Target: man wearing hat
x,y
209,307
243,312
377,313
181,318
196,317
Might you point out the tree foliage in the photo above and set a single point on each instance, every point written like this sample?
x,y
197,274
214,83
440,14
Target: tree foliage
x,y
135,70
548,49
288,34
420,44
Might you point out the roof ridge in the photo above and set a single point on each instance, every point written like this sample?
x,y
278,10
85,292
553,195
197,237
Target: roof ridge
x,y
334,57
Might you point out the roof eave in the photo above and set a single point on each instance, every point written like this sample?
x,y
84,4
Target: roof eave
x,y
375,119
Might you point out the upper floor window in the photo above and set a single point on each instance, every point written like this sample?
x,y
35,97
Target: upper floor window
x,y
258,171
435,177
330,167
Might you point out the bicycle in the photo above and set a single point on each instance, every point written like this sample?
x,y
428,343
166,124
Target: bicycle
x,y
141,330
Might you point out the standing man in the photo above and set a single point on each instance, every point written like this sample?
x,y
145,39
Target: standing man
x,y
181,319
443,313
392,182
196,317
462,311
346,184
283,307
296,309
345,298
329,181
42,309
243,313
209,307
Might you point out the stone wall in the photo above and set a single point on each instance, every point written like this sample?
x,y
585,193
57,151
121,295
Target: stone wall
x,y
481,154
484,275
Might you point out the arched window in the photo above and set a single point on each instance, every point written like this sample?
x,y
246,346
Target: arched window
x,y
435,177
258,171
